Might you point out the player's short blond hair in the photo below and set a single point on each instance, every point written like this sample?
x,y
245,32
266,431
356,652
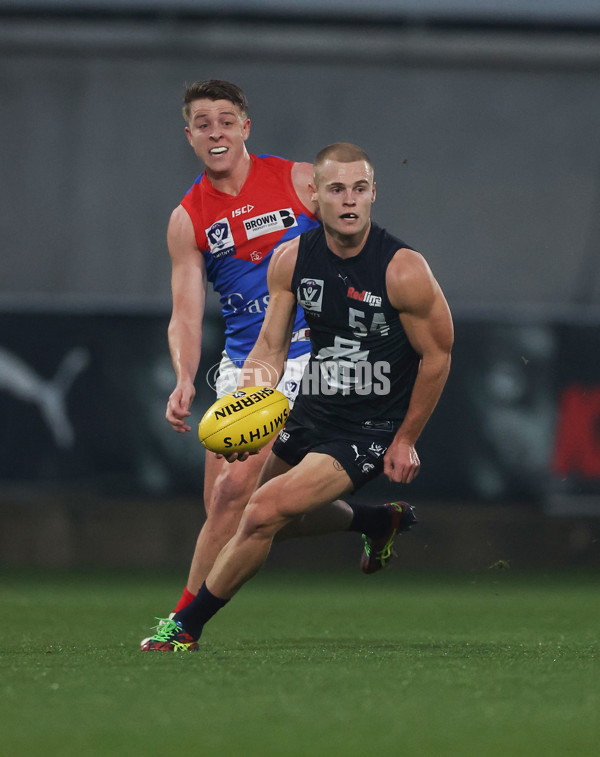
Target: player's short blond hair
x,y
342,152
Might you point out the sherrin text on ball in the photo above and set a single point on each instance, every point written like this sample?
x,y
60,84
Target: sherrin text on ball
x,y
244,420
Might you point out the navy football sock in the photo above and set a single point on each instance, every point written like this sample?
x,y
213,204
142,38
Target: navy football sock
x,y
199,611
371,521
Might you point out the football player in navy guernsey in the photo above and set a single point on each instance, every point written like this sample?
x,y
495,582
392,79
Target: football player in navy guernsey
x,y
381,339
239,209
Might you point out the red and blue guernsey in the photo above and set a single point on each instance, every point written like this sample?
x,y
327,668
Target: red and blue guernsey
x,y
237,236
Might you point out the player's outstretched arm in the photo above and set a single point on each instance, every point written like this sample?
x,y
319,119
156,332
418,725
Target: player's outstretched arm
x,y
188,285
427,321
270,351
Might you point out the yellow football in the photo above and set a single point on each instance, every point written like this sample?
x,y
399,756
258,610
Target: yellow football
x,y
244,420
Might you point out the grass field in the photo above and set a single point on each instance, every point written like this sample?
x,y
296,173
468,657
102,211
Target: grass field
x,y
492,665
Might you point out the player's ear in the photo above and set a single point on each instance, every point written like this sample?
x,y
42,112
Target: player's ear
x,y
313,192
246,128
374,193
188,134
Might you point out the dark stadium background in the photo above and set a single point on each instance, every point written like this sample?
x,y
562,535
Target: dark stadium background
x,y
482,122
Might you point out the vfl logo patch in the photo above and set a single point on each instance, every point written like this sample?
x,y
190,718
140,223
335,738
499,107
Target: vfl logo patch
x,y
310,294
290,389
220,239
277,220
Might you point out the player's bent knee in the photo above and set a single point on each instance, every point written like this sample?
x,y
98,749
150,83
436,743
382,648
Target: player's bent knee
x,y
292,529
230,493
262,518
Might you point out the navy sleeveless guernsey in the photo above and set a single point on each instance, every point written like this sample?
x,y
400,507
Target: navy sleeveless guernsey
x,y
362,367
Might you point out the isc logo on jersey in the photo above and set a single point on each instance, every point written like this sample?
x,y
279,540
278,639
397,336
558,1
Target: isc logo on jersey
x,y
276,220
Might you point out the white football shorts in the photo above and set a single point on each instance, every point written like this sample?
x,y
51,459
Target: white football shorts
x,y
229,374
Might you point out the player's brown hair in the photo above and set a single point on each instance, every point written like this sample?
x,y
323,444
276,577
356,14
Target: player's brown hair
x,y
213,89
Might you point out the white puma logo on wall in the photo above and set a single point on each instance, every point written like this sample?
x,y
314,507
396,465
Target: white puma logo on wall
x,y
20,380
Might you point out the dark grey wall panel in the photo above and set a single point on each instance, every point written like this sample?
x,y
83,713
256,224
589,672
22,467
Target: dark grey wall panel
x,y
518,10
486,149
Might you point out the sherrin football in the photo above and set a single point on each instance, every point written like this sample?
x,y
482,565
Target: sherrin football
x,y
244,420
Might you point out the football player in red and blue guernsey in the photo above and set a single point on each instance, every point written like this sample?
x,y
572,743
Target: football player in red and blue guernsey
x,y
224,231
